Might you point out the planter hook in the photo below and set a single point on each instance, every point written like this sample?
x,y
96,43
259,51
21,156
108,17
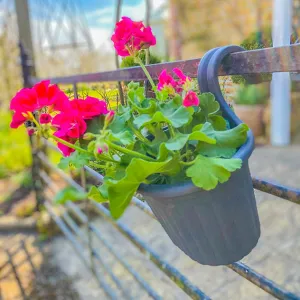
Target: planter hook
x,y
208,82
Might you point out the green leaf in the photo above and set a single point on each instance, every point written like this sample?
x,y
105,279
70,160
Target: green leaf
x,y
208,104
69,194
207,172
218,122
227,141
149,109
117,124
180,139
75,161
95,194
136,95
141,120
209,112
124,137
176,118
121,191
177,142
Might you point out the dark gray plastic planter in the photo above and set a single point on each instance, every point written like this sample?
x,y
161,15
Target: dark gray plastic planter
x,y
220,226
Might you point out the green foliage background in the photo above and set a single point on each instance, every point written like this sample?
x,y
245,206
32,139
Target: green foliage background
x,y
15,155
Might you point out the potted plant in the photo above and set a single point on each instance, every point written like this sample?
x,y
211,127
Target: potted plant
x,y
176,149
249,106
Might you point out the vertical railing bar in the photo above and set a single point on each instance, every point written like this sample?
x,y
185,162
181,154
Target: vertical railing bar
x,y
75,90
76,229
14,269
79,249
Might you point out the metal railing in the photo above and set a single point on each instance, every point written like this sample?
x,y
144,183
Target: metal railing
x,y
283,59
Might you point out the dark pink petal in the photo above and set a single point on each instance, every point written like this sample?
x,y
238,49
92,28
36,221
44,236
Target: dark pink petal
x,y
66,151
191,99
17,120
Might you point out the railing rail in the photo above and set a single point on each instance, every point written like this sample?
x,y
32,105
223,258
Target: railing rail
x,y
268,60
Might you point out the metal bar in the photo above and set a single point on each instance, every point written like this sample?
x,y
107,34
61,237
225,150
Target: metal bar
x,y
276,189
180,280
75,90
190,289
78,248
267,60
14,269
138,278
95,254
75,228
261,281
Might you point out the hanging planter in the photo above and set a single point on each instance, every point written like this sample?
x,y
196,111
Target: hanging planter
x,y
185,151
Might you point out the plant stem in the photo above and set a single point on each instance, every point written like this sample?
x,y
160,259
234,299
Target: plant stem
x,y
97,165
139,135
72,146
171,129
139,61
189,163
130,152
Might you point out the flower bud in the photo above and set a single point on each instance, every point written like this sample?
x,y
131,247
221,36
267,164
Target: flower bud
x,y
88,136
30,131
45,118
109,117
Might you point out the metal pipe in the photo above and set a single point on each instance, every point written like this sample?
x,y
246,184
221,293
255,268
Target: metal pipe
x,y
79,249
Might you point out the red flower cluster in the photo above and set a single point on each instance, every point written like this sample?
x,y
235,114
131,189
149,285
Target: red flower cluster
x,y
53,106
166,80
130,37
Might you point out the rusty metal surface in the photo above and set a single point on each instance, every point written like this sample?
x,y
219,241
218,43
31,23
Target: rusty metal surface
x,y
277,189
268,60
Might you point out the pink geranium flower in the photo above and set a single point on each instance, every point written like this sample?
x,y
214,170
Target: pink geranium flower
x,y
129,37
35,99
89,108
66,151
191,99
70,124
166,80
